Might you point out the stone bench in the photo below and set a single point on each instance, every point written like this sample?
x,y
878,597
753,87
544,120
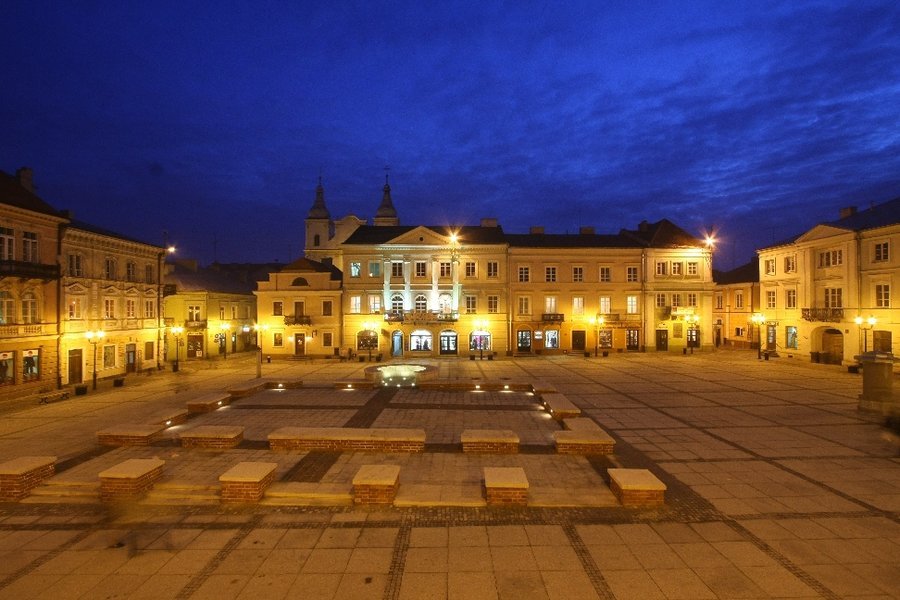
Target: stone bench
x,y
636,487
208,402
490,441
169,418
212,436
247,389
54,396
247,481
347,438
559,406
580,424
376,484
586,441
140,434
130,479
354,384
283,384
542,387
20,475
505,486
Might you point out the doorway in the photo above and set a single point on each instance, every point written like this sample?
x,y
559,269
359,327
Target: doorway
x,y
299,344
523,340
195,345
662,340
76,366
448,342
397,343
832,347
130,358
578,341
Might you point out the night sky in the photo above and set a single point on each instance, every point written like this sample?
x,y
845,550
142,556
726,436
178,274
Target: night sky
x,y
213,121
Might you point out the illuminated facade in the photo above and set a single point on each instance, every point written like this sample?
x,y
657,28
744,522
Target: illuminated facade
x,y
827,293
735,301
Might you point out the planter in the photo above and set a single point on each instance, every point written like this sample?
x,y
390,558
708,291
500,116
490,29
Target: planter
x,y
80,390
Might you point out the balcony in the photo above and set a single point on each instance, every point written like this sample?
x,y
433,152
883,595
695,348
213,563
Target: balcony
x,y
28,270
297,320
393,317
553,317
828,315
195,324
14,330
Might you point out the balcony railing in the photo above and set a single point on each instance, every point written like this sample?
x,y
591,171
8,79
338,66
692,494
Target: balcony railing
x,y
195,324
28,270
14,330
393,317
553,317
421,316
297,320
828,315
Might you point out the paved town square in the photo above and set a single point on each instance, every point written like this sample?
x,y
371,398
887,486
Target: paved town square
x,y
776,486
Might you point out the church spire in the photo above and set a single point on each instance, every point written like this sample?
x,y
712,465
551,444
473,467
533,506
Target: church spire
x,y
319,210
386,213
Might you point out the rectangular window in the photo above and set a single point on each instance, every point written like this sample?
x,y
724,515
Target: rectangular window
x,y
790,264
194,311
790,298
327,339
631,274
30,247
109,308
7,244
148,350
446,269
130,271
578,305
470,269
375,303
524,274
881,341
719,302
692,269
882,252
74,308
605,275
278,340
129,308
676,300
790,337
109,268
397,268
739,299
770,298
577,274
831,258
471,304
631,305
421,268
75,267
692,299
662,268
493,303
277,309
109,357
234,311
605,305
355,269
883,295
524,305
148,274
834,298
769,266
149,309
221,312
326,308
355,304
550,274
661,301
493,269
374,268
676,268
550,304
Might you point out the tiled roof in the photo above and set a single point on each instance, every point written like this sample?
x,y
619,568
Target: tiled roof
x,y
470,234
12,193
208,279
99,230
307,265
879,215
565,240
748,273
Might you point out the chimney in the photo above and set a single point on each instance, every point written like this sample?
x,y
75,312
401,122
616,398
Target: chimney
x,y
488,222
25,176
536,230
848,211
586,231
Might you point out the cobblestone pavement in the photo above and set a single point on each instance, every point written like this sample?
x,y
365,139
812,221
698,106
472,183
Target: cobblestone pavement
x,y
778,487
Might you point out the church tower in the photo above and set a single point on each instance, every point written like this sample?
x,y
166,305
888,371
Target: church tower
x,y
318,224
386,213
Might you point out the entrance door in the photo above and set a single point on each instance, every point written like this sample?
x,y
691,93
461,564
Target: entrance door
x,y
130,358
771,333
633,339
662,340
832,347
578,340
299,345
397,343
523,340
448,342
76,366
195,345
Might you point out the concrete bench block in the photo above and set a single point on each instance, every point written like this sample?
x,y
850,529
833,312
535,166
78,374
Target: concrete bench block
x,y
283,384
580,424
542,387
376,484
348,438
20,475
354,384
208,402
141,434
169,418
247,481
130,479
588,441
490,441
212,436
636,487
246,389
505,486
559,406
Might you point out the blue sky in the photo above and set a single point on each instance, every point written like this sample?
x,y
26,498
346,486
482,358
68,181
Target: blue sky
x,y
213,121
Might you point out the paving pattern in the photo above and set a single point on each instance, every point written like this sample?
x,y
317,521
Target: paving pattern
x,y
778,487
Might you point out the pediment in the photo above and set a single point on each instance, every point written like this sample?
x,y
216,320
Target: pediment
x,y
110,289
822,231
76,288
420,236
132,291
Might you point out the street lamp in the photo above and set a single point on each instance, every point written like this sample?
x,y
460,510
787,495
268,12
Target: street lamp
x,y
259,329
225,327
865,325
759,319
598,323
176,333
369,327
93,337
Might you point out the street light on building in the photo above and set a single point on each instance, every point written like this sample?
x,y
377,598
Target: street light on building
x,y
758,319
259,330
93,337
865,325
598,323
226,328
176,333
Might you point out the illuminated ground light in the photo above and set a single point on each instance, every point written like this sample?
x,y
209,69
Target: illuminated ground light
x,y
404,374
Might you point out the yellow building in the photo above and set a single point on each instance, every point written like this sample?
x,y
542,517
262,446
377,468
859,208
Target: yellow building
x,y
735,302
827,293
29,288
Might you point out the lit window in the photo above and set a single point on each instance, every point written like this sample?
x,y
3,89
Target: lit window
x,y
605,305
355,269
676,268
631,305
374,268
375,303
75,308
355,304
109,308
524,305
550,304
578,305
770,266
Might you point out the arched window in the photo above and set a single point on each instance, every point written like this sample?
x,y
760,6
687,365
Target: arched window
x,y
316,240
397,303
7,308
421,303
300,282
29,308
420,340
445,303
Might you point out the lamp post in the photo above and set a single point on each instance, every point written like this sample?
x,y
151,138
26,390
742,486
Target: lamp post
x,y
865,325
759,319
225,327
93,337
369,327
176,333
597,322
259,329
